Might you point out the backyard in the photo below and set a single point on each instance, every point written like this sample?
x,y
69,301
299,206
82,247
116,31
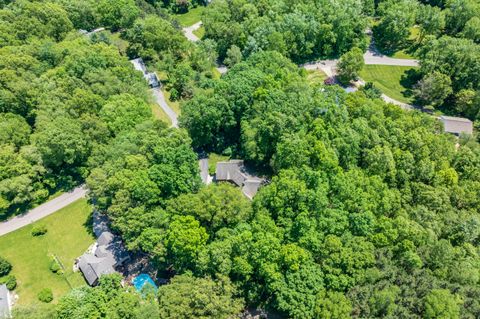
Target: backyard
x,y
191,17
67,238
394,81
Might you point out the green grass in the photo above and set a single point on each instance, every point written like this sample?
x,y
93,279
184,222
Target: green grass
x,y
394,81
213,159
160,114
67,238
191,17
316,76
200,32
119,42
174,105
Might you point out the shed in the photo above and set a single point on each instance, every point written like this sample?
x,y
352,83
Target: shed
x,y
456,125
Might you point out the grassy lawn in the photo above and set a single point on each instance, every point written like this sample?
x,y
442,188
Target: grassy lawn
x,y
213,159
160,114
200,32
119,43
174,105
316,76
394,81
67,238
191,17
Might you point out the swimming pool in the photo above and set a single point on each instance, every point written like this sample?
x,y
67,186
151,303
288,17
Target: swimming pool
x,y
143,279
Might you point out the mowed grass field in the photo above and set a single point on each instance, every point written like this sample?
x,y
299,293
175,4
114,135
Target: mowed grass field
x,y
67,238
394,81
191,17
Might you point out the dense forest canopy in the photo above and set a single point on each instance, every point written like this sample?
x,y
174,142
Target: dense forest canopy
x,y
370,211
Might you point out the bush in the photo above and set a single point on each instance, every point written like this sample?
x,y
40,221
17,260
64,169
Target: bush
x,y
45,295
55,267
10,282
371,91
39,230
5,267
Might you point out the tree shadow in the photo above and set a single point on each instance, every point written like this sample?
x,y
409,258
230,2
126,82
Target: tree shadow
x,y
408,80
88,224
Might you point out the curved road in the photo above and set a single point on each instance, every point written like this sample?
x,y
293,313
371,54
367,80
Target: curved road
x,y
43,210
160,100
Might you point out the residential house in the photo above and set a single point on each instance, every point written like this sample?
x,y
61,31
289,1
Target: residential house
x,y
109,253
234,171
150,77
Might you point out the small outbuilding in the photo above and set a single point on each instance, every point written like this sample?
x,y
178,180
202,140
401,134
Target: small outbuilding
x,y
456,125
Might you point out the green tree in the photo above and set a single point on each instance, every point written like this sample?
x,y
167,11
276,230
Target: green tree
x,y
440,303
117,14
188,297
434,88
396,19
332,305
184,240
350,64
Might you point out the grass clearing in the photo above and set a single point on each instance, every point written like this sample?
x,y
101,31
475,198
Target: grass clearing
x,y
174,105
316,76
394,81
191,17
68,236
160,114
200,32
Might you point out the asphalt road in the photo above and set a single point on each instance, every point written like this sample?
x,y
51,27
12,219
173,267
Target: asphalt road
x,y
42,211
160,100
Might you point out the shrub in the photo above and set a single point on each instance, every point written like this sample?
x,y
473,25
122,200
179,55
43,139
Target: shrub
x,y
10,282
5,267
45,295
55,267
39,230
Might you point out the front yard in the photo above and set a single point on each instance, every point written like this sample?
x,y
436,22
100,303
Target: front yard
x,y
394,81
69,235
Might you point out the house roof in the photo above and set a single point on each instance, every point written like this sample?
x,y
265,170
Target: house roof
x,y
105,238
251,186
139,65
230,171
456,125
234,171
93,267
4,302
100,223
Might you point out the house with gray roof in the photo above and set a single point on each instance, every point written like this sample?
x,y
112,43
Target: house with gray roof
x,y
5,302
234,171
150,77
109,252
456,125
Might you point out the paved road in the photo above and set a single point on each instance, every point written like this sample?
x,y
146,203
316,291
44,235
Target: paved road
x,y
42,211
373,57
188,31
160,100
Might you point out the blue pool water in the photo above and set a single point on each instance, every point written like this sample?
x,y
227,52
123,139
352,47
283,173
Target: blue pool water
x,y
141,280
